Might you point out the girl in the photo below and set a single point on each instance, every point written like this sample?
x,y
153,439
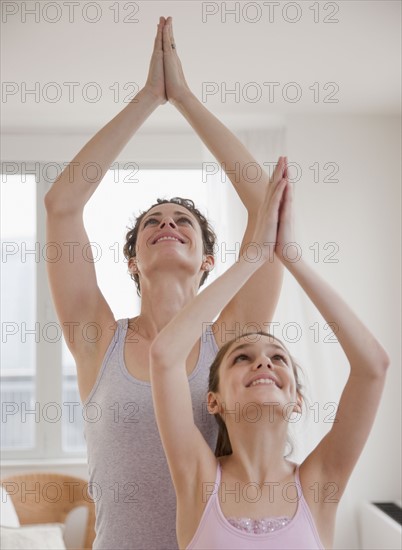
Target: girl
x,y
213,491
169,253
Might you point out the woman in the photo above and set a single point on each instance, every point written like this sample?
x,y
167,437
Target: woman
x,y
248,495
131,486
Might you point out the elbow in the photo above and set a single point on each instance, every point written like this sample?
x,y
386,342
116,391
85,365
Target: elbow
x,y
381,363
375,365
56,207
382,359
385,361
51,205
47,201
52,197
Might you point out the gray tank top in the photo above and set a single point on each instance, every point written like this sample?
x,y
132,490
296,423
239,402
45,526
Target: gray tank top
x,y
129,478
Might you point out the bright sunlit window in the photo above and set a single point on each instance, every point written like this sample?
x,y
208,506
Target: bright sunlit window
x,y
35,420
19,260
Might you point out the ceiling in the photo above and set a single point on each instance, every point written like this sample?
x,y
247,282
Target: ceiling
x,y
258,44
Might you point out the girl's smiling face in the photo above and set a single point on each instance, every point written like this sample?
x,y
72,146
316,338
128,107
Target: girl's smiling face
x,y
259,372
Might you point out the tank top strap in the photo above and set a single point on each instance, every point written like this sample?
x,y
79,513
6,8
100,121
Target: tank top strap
x,y
303,509
213,500
208,338
122,328
113,352
207,353
215,492
302,503
119,334
122,331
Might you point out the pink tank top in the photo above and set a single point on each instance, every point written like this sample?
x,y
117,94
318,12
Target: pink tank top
x,y
215,531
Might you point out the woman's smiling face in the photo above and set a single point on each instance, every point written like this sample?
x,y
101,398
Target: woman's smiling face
x,y
169,236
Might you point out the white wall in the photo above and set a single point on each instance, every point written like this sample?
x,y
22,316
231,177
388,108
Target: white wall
x,y
360,213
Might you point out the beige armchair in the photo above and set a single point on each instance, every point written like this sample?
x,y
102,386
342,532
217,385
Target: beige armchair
x,y
48,498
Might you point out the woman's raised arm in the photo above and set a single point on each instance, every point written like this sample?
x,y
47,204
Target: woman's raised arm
x,y
77,298
257,300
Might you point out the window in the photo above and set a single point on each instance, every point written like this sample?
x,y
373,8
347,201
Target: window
x,y
41,409
18,311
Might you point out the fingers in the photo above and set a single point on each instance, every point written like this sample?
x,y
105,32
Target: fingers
x,y
158,39
172,40
277,171
279,192
285,168
269,213
274,197
280,169
279,174
285,211
168,38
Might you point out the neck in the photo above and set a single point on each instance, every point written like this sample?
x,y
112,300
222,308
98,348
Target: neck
x,y
258,447
161,299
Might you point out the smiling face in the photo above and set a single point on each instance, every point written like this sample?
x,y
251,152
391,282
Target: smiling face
x,y
170,237
168,223
183,205
259,371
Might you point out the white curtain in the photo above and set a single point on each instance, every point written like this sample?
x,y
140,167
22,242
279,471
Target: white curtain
x,y
323,376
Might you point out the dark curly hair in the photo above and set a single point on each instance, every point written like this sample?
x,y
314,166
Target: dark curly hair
x,y
223,445
208,234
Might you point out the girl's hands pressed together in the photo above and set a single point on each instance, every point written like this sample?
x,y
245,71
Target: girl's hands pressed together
x,y
265,234
175,83
285,233
155,83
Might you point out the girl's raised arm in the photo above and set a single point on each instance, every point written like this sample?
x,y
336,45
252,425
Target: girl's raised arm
x,y
185,447
76,295
257,300
336,455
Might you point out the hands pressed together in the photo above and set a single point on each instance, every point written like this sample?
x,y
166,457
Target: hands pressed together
x,y
166,82
166,78
275,216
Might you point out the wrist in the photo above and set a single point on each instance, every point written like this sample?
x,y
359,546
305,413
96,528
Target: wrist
x,y
151,96
292,262
183,98
250,265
